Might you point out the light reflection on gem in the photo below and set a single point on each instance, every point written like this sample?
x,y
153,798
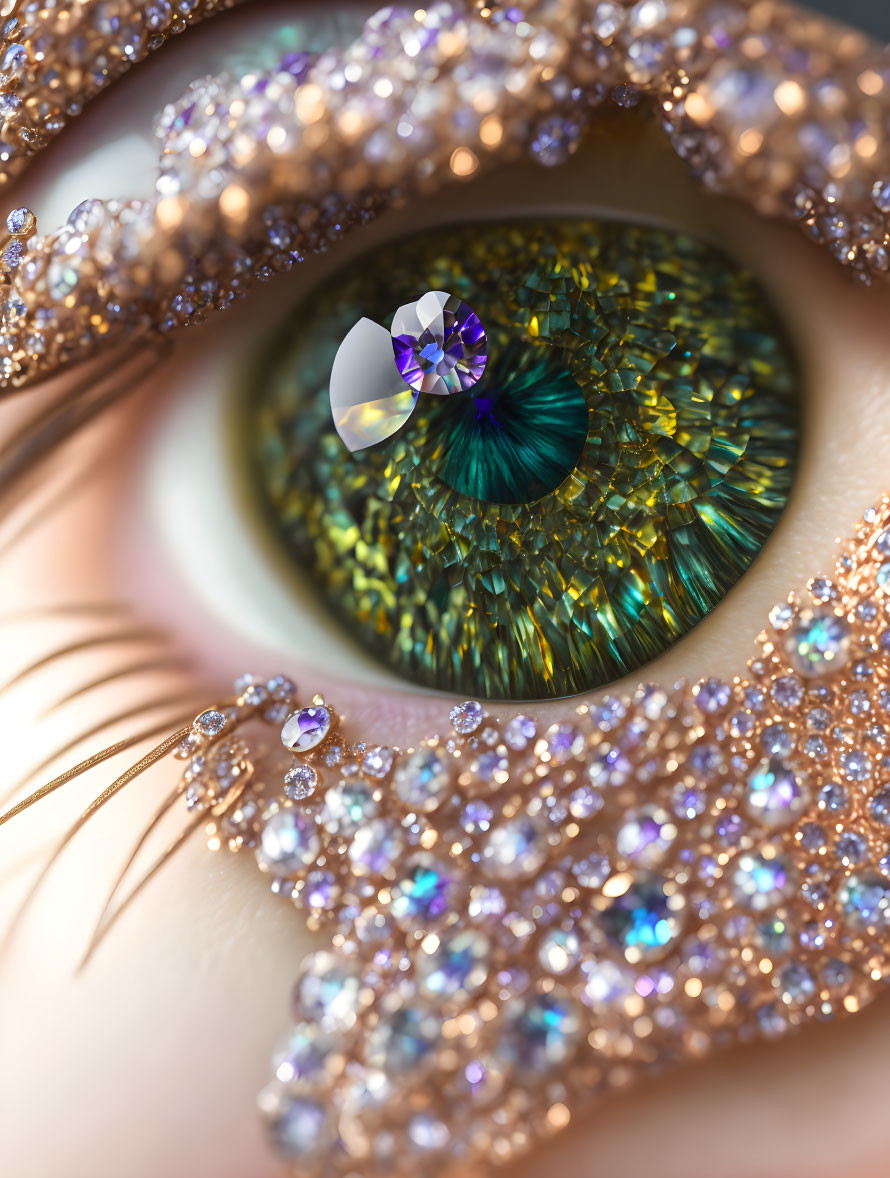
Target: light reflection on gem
x,y
439,344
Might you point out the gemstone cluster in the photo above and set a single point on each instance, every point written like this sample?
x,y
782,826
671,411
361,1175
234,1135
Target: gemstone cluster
x,y
524,915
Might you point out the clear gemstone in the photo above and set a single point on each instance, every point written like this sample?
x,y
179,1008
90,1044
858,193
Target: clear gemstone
x,y
519,733
404,1040
774,794
348,806
760,882
210,723
457,966
646,835
646,918
19,221
377,761
300,1128
540,1032
369,399
516,847
329,992
818,642
303,1053
466,717
423,780
559,950
306,729
375,848
300,782
439,344
288,843
424,892
865,900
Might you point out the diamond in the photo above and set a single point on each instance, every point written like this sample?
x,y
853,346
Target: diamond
x,y
20,222
402,1041
466,717
517,847
818,642
300,783
761,882
540,1033
306,729
439,344
289,842
646,835
423,779
865,900
457,966
774,794
646,918
368,398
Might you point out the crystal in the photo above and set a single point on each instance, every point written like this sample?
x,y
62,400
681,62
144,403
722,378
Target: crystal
x,y
374,848
519,733
646,835
818,642
467,717
851,848
428,1133
210,723
401,1041
300,782
516,847
303,1053
306,729
289,842
646,918
439,344
301,1128
865,900
369,400
20,221
329,992
880,807
761,882
423,892
377,761
348,805
712,695
795,983
456,966
540,1033
559,950
564,742
774,794
423,779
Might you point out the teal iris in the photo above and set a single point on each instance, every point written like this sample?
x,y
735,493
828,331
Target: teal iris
x,y
624,457
514,439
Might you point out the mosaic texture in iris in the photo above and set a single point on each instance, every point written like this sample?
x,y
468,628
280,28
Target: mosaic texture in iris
x,y
625,455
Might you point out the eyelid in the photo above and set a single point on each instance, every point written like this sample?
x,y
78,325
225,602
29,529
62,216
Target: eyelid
x,y
334,142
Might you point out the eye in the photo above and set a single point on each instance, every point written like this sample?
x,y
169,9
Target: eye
x,y
614,470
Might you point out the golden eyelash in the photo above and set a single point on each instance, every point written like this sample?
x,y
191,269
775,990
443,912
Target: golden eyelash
x,y
254,177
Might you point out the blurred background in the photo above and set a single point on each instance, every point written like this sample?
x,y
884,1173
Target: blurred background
x,y
871,15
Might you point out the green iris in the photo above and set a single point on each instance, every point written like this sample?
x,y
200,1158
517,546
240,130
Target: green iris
x,y
625,455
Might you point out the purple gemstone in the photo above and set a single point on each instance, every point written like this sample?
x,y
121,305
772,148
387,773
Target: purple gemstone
x,y
306,729
439,344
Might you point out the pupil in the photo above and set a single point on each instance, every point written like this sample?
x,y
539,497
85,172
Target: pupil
x,y
517,435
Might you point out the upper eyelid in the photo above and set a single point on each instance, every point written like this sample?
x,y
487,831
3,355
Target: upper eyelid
x,y
340,109
56,60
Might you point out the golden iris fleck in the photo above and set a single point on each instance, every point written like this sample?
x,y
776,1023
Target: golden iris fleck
x,y
624,457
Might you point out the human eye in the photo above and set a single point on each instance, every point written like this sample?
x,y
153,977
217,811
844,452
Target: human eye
x,y
523,879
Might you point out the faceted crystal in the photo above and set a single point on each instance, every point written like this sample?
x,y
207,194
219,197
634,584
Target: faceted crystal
x,y
865,900
774,794
423,780
457,966
761,882
818,642
516,847
329,991
439,344
646,918
646,835
402,1041
306,729
288,843
369,399
423,892
540,1033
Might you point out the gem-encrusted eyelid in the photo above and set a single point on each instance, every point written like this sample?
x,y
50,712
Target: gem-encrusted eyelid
x,y
522,916
256,172
435,345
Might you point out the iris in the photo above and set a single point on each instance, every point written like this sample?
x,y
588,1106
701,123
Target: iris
x,y
625,454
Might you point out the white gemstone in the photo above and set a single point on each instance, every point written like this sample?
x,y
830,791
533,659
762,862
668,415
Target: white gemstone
x,y
369,400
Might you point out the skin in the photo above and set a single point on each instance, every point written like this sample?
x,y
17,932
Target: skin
x,y
158,1047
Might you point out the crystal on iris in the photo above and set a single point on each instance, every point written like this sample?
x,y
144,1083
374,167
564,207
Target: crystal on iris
x,y
439,344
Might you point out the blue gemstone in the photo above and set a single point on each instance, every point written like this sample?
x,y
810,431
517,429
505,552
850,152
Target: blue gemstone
x,y
646,919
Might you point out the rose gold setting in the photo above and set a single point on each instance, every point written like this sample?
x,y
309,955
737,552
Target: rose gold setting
x,y
784,111
492,966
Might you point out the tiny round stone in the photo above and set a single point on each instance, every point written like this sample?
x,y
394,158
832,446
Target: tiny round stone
x,y
646,835
457,966
865,900
818,642
516,847
761,882
424,779
880,807
646,918
774,794
300,782
519,733
348,806
540,1033
402,1041
467,717
306,729
210,723
20,221
288,843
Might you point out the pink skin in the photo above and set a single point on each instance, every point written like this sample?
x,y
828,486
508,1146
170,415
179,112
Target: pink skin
x,y
157,1050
